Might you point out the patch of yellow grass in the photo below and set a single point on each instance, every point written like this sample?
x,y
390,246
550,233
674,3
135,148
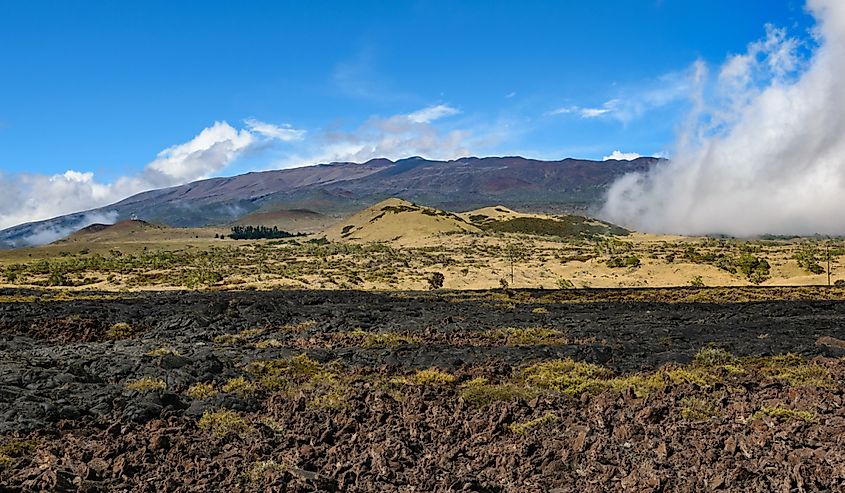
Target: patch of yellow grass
x,y
526,336
522,428
240,386
201,391
146,384
781,413
120,330
224,422
481,392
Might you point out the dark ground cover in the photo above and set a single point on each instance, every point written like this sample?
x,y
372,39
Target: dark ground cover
x,y
483,391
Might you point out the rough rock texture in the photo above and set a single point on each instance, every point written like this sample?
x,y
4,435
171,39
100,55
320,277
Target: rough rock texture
x,y
68,422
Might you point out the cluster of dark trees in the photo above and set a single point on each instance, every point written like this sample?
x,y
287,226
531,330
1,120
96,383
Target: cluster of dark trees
x,y
258,232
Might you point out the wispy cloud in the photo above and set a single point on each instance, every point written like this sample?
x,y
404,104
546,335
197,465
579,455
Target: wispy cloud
x,y
393,137
633,103
431,113
359,77
284,132
606,109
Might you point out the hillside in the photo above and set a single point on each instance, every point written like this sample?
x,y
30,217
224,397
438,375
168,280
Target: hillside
x,y
504,220
292,220
339,189
397,220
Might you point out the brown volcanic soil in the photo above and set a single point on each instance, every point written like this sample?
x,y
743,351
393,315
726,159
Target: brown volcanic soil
x,y
360,421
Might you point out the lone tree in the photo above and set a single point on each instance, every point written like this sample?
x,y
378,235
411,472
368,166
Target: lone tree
x,y
436,280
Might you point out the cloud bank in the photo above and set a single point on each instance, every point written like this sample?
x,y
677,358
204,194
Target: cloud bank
x,y
33,197
762,151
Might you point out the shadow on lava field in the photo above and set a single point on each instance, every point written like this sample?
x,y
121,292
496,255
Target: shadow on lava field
x,y
474,391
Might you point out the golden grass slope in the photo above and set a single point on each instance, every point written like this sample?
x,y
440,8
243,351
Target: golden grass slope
x,y
399,222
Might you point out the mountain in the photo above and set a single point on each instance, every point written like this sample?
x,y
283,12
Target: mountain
x,y
338,189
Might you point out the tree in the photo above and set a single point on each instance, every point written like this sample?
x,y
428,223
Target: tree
x,y
436,280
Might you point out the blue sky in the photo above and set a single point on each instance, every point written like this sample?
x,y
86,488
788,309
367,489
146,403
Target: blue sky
x,y
101,88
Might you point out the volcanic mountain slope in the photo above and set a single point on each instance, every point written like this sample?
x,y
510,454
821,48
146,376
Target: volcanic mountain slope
x,y
341,188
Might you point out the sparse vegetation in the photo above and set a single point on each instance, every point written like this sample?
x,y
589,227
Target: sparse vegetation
x,y
522,428
564,284
435,280
526,336
697,282
481,392
697,409
146,384
162,351
780,413
201,390
15,449
240,386
259,470
432,377
120,330
808,257
375,340
224,422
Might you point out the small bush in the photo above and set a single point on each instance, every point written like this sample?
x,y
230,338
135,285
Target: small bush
x,y
15,449
695,409
565,284
146,384
630,261
435,281
224,422
240,386
162,351
201,391
120,330
697,282
258,471
526,336
480,392
713,356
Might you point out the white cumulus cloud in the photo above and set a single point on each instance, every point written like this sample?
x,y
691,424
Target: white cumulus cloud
x,y
621,156
32,197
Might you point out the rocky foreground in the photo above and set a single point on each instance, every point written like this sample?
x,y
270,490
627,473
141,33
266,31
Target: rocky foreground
x,y
350,391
